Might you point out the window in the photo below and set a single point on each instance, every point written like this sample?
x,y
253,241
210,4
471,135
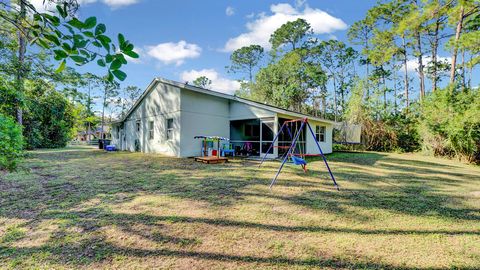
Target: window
x,y
320,133
138,125
118,132
150,130
169,129
252,130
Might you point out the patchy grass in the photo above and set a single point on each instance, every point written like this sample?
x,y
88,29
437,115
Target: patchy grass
x,y
83,208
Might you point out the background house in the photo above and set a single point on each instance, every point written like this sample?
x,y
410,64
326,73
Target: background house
x,y
169,114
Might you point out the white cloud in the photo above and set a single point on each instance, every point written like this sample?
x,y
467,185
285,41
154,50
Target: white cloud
x,y
412,64
229,11
43,6
171,52
260,29
118,3
219,83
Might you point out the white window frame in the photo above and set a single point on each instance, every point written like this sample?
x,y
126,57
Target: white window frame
x,y
320,133
151,130
169,130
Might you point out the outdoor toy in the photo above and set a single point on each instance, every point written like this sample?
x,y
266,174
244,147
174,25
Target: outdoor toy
x,y
297,157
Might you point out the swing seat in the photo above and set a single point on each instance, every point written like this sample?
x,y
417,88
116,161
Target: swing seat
x,y
298,161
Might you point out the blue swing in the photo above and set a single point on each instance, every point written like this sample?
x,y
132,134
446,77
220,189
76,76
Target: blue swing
x,y
298,161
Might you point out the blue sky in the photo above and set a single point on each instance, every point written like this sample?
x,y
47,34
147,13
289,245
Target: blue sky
x,y
181,40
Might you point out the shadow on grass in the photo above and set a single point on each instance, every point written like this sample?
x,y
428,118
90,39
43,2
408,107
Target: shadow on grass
x,y
60,181
105,250
98,249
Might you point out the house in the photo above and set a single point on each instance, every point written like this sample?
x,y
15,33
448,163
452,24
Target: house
x,y
169,114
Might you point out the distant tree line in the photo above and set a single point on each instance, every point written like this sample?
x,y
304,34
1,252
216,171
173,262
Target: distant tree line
x,y
371,82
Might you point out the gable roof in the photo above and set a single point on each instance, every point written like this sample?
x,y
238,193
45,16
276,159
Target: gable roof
x,y
157,80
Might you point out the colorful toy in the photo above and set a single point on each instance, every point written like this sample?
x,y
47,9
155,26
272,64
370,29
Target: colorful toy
x,y
215,158
297,158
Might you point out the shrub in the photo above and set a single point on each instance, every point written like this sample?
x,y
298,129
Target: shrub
x,y
11,143
49,119
450,124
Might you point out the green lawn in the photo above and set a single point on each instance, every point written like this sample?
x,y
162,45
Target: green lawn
x,y
84,208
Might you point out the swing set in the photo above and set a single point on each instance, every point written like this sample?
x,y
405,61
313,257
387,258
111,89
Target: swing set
x,y
296,151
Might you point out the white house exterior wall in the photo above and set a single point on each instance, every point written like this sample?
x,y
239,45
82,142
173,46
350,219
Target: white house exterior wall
x,y
326,145
201,115
240,111
163,102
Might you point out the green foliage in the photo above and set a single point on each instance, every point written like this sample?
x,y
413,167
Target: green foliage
x,y
202,82
391,132
450,124
291,33
11,143
287,82
49,119
246,59
71,39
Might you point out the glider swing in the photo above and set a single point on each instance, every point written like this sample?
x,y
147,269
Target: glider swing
x,y
296,154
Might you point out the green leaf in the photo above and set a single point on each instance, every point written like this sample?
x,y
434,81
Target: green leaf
x,y
132,54
66,47
60,53
121,58
53,19
78,59
100,29
116,64
62,11
121,40
110,77
119,74
85,53
37,17
88,34
90,22
129,47
61,67
76,23
109,58
44,44
53,39
105,41
101,62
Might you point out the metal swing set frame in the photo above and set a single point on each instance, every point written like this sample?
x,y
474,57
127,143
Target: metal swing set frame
x,y
297,158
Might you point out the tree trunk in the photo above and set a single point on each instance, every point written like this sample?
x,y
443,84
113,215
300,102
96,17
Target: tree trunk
x,y
405,60
335,98
434,55
455,49
384,93
21,63
103,111
324,106
89,112
464,82
470,71
421,75
394,89
367,67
